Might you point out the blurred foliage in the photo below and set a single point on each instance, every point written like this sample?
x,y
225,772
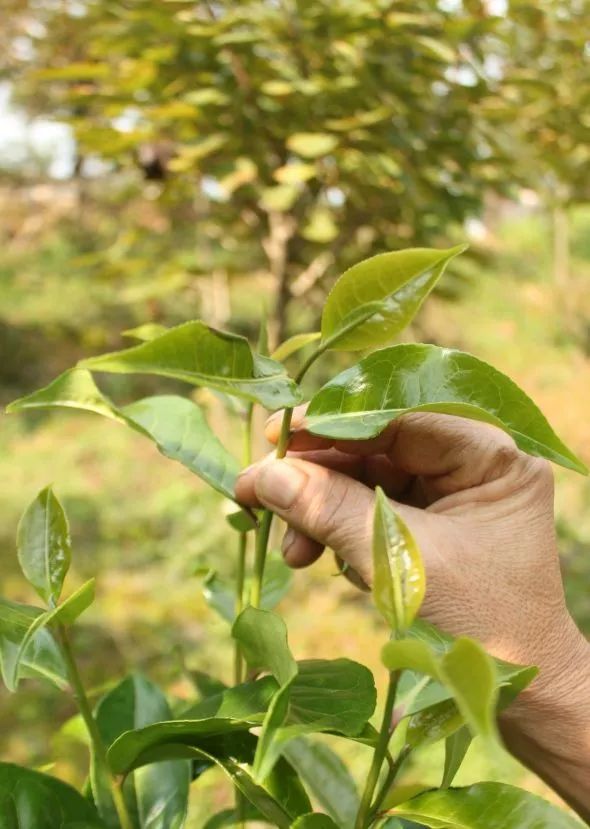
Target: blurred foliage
x,y
297,137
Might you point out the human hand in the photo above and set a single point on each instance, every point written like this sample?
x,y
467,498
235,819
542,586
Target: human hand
x,y
482,513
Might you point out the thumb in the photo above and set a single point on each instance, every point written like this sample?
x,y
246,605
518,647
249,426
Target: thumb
x,y
327,506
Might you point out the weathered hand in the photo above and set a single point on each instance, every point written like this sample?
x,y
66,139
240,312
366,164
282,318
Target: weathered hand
x,y
482,513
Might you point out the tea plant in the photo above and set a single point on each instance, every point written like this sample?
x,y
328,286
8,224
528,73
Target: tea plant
x,y
142,758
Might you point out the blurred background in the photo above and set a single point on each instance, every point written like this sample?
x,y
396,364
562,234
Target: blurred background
x,y
163,160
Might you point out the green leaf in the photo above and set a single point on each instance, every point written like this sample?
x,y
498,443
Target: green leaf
x,y
280,798
68,611
234,710
175,424
73,389
40,658
160,791
197,354
65,613
221,596
241,521
375,299
312,144
180,431
293,345
263,640
485,806
230,817
43,542
314,821
399,581
470,673
361,401
432,710
456,747
147,331
31,799
329,695
326,777
410,655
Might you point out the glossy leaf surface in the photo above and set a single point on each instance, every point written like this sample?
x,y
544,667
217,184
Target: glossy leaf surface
x,y
31,800
375,299
40,658
360,402
205,357
485,806
326,777
160,791
43,543
68,611
399,581
175,424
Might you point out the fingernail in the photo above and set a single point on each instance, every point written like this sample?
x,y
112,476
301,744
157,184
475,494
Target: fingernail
x,y
288,540
278,484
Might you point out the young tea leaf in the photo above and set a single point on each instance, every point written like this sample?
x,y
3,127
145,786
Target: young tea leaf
x,y
375,299
361,401
43,543
293,345
201,355
471,676
398,572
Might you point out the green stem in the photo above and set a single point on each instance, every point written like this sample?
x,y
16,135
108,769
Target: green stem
x,y
389,780
98,745
263,532
363,815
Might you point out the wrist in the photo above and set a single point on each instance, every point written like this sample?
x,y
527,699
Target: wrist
x,y
548,726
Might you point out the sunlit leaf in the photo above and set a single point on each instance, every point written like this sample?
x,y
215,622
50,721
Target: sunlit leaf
x,y
375,299
399,582
201,355
147,331
312,144
361,401
485,806
43,543
175,424
294,344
